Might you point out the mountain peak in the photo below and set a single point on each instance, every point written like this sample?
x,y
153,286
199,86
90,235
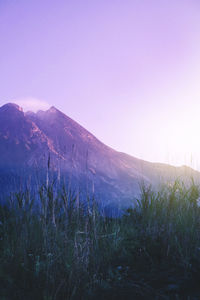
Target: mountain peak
x,y
49,113
52,109
11,106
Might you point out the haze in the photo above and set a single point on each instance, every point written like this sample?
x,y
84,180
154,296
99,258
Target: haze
x,y
128,71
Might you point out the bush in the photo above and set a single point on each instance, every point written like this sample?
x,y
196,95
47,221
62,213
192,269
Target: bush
x,y
64,249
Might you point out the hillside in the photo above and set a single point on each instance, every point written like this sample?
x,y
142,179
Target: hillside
x,y
32,142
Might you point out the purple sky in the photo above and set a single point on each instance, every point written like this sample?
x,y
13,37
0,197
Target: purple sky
x,y
128,71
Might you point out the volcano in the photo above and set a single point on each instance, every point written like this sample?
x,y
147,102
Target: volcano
x,y
50,140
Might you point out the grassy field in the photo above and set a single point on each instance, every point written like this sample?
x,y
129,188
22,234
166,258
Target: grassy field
x,y
67,250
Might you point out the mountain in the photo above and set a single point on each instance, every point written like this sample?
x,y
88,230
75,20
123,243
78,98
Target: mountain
x,y
32,142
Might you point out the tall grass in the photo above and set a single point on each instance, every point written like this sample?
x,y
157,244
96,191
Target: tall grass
x,y
52,246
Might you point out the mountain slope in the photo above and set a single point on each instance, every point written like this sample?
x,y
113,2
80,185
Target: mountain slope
x,y
27,140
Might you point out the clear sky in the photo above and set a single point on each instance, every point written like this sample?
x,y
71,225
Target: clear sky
x,y
127,70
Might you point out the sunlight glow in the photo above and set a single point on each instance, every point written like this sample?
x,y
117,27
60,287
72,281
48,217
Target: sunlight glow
x,y
181,138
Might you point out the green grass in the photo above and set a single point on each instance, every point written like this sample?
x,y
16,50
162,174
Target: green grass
x,y
67,250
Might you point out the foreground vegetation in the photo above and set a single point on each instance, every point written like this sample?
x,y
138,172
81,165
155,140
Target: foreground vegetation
x,y
66,250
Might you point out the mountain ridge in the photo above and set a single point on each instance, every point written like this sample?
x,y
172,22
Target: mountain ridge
x,y
28,139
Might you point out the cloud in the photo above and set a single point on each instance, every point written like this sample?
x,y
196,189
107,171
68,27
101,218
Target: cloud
x,y
32,104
